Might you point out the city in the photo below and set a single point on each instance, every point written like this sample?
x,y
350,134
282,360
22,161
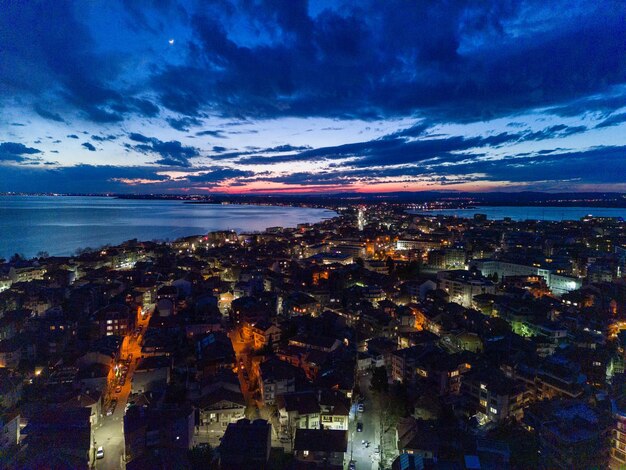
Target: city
x,y
312,235
375,339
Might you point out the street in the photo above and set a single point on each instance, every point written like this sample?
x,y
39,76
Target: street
x,y
110,432
365,457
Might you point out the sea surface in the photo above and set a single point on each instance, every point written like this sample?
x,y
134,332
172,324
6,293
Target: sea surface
x,y
531,212
61,225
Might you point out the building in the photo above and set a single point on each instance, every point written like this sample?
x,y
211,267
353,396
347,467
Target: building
x,y
277,378
324,447
558,283
246,444
462,286
114,319
262,333
9,430
617,457
152,373
495,396
58,438
298,410
218,408
570,434
148,430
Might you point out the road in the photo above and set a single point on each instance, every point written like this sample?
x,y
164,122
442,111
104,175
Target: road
x,y
110,433
365,457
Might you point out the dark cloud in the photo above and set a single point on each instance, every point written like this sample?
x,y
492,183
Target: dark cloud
x,y
613,120
448,61
76,179
218,134
183,124
401,147
554,132
171,153
601,165
138,137
16,152
584,166
107,178
89,146
47,114
395,58
219,174
103,138
72,136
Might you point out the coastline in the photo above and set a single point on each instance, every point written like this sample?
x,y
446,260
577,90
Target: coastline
x,y
63,226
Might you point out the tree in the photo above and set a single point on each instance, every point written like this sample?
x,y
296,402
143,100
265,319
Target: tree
x,y
17,257
391,264
200,457
379,382
43,254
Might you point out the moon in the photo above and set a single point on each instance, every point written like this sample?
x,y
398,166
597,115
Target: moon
x,y
171,41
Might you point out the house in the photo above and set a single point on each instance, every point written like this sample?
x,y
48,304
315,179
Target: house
x,y
93,376
318,343
335,410
149,429
10,353
57,438
277,378
570,433
299,303
495,395
114,319
418,437
9,430
262,333
11,385
462,285
218,408
152,373
321,446
246,444
298,410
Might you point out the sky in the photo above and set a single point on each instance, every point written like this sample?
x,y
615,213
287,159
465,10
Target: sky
x,y
273,96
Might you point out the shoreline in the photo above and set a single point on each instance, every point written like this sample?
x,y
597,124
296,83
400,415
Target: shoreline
x,y
31,228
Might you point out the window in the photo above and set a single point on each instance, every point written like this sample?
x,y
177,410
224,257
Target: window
x,y
493,410
305,453
483,387
483,403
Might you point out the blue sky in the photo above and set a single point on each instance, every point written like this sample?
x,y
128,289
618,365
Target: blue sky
x,y
318,96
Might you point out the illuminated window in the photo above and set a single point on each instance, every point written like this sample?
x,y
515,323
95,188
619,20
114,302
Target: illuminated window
x,y
493,410
483,403
483,387
305,453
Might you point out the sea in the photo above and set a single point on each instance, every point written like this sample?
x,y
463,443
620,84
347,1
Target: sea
x,y
60,225
549,213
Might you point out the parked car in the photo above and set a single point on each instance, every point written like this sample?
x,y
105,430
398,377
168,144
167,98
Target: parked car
x,y
359,427
118,389
100,453
360,407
